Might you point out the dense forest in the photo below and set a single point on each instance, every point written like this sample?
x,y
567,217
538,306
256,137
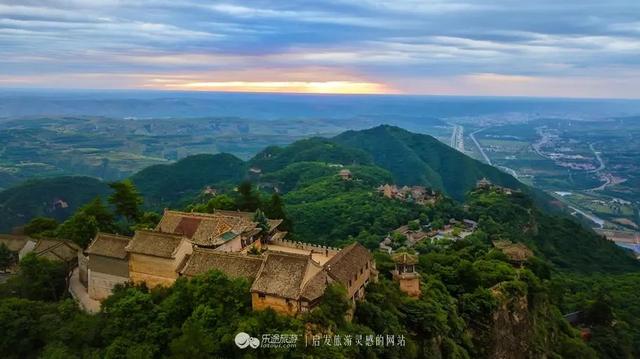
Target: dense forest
x,y
471,293
475,302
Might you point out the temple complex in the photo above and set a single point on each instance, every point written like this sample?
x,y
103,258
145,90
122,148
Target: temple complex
x,y
288,277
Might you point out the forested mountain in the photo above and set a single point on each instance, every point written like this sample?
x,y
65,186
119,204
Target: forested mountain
x,y
166,185
314,149
409,158
56,197
475,301
421,159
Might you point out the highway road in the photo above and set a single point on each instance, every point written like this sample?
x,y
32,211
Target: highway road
x,y
457,138
484,155
597,154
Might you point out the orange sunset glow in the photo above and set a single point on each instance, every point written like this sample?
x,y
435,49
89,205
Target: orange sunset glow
x,y
314,87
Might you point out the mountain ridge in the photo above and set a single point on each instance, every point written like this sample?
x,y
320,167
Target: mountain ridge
x,y
410,158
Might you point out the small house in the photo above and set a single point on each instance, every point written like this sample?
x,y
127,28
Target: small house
x,y
107,265
154,257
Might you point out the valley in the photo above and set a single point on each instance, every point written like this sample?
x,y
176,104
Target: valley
x,y
584,154
590,165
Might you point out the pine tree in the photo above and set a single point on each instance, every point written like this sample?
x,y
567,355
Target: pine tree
x,y
275,210
97,209
248,200
126,199
262,220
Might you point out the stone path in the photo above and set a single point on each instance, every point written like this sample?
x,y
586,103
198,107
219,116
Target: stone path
x,y
79,293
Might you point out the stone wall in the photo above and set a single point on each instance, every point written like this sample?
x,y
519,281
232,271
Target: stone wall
x,y
152,270
109,265
307,246
356,288
157,270
411,286
83,267
101,284
278,304
234,245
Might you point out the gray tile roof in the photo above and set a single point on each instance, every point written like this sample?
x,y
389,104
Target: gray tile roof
x,y
154,243
234,265
109,245
347,263
282,275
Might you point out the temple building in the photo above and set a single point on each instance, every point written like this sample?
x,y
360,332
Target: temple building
x,y
416,194
108,264
289,277
228,231
405,273
345,175
154,257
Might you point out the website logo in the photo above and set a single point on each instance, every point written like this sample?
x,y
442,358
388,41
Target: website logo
x,y
244,340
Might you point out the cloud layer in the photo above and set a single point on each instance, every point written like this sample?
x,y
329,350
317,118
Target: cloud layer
x,y
573,48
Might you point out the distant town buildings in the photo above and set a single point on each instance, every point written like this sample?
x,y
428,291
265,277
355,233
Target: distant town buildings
x,y
289,277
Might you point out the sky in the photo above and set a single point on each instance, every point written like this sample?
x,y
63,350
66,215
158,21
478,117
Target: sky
x,y
549,48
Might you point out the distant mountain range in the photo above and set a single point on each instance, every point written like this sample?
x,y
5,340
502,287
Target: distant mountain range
x,y
401,156
389,108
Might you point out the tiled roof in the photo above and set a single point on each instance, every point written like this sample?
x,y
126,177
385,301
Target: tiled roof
x,y
188,226
278,236
282,274
207,229
60,249
154,243
405,258
274,223
232,264
109,245
227,236
13,242
315,287
348,262
245,215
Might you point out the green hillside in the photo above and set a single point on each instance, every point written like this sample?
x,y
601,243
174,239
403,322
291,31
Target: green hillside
x,y
472,293
383,154
37,198
168,185
324,150
421,159
561,241
301,174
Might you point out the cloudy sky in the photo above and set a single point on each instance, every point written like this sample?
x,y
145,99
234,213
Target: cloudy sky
x,y
569,48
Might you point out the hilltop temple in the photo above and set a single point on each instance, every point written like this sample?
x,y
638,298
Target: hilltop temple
x,y
416,194
289,277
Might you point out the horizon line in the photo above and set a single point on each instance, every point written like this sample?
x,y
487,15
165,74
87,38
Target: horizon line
x,y
322,94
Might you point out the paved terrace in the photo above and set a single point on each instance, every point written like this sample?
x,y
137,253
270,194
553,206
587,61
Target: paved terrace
x,y
79,293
